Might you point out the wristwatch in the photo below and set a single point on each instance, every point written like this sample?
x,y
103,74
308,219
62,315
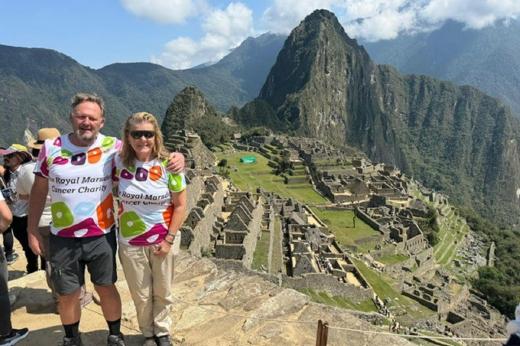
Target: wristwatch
x,y
173,237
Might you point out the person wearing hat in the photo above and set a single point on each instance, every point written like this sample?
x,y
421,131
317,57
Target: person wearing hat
x,y
35,146
19,178
44,227
43,134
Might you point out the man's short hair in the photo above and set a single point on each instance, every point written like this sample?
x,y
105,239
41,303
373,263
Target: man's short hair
x,y
86,97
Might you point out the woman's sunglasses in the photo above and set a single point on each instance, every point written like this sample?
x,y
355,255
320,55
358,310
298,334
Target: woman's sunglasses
x,y
139,134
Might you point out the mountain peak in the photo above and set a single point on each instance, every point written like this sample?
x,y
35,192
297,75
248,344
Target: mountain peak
x,y
318,57
324,20
321,15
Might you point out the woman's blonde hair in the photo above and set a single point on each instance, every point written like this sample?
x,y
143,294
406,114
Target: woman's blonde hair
x,y
128,155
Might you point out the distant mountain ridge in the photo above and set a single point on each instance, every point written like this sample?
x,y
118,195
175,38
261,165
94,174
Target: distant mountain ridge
x,y
454,139
36,85
488,59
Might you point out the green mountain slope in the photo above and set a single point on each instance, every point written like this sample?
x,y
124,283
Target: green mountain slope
x,y
488,59
36,85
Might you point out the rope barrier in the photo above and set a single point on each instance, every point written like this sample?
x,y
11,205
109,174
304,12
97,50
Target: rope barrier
x,y
421,336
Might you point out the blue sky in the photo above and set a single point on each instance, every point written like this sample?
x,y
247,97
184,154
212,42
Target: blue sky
x,y
185,33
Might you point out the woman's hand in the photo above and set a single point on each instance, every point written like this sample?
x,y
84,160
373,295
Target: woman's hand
x,y
162,248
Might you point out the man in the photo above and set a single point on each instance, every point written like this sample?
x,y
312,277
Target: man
x,y
8,335
44,228
77,171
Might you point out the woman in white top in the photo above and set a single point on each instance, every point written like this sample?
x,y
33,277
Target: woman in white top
x,y
152,204
19,178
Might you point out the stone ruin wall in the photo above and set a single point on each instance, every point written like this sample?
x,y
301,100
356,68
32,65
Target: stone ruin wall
x,y
254,228
368,220
268,226
194,190
237,266
329,284
200,235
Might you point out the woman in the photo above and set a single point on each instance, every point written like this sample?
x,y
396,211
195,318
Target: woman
x,y
152,205
19,178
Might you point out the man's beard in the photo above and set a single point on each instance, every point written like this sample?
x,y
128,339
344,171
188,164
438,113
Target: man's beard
x,y
86,136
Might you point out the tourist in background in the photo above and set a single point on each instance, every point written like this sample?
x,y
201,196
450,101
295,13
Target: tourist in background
x,y
8,239
8,335
152,204
19,178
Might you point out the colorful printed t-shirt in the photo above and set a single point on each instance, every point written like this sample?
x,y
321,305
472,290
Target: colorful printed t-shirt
x,y
144,201
80,185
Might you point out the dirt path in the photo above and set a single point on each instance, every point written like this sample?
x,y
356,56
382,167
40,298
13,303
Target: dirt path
x,y
34,309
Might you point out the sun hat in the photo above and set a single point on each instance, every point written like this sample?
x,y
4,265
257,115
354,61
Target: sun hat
x,y
43,134
14,148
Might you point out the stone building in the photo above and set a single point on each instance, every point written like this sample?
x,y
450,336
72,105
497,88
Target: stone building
x,y
204,213
237,236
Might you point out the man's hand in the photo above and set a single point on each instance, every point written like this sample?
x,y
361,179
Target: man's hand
x,y
175,163
35,243
162,248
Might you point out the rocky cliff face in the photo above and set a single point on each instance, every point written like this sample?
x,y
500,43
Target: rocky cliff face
x,y
213,306
191,111
454,139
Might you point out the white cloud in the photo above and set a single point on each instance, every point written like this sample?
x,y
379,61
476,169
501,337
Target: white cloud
x,y
284,15
381,19
386,19
224,29
163,11
474,14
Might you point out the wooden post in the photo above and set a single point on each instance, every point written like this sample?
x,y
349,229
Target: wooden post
x,y
325,333
318,333
322,333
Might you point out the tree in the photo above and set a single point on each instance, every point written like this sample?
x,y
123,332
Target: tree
x,y
223,163
223,168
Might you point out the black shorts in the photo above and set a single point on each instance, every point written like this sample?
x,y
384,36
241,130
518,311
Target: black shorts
x,y
69,256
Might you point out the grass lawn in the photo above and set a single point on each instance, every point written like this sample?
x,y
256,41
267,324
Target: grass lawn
x,y
380,284
392,259
261,252
250,176
341,225
340,302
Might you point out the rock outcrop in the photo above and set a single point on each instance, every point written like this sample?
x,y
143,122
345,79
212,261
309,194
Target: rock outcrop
x,y
213,307
191,111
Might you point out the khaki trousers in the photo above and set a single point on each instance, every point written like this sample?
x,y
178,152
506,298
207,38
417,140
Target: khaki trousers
x,y
149,278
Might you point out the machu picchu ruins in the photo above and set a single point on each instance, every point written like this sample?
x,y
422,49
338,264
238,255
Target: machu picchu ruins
x,y
233,226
